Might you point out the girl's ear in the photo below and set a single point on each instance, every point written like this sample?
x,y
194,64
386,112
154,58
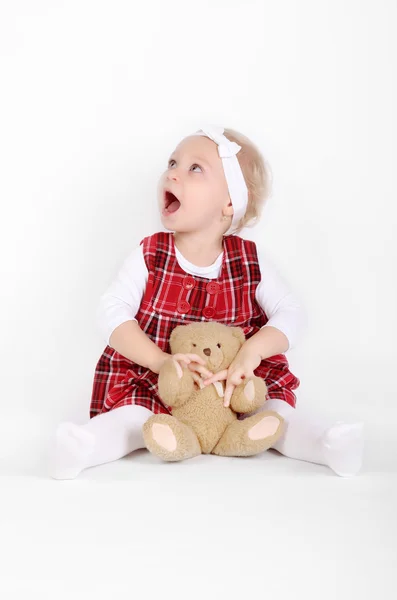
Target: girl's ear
x,y
228,210
238,332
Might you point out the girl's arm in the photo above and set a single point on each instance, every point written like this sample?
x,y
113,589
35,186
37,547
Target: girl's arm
x,y
121,301
130,341
265,343
286,321
121,330
116,314
287,317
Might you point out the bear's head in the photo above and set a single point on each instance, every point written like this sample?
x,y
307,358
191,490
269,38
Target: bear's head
x,y
216,343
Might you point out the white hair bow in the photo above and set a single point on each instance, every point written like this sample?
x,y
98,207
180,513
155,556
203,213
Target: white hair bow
x,y
227,151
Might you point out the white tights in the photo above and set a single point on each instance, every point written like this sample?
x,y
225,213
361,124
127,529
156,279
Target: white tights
x,y
114,434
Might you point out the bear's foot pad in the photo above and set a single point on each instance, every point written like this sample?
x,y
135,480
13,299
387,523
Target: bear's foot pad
x,y
170,439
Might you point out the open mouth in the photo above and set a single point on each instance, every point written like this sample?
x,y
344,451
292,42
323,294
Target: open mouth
x,y
171,203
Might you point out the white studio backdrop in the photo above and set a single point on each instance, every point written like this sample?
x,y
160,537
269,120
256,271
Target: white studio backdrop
x,y
94,97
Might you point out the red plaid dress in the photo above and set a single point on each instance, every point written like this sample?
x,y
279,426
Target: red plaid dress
x,y
174,297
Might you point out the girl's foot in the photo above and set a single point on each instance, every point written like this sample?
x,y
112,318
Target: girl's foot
x,y
343,446
72,449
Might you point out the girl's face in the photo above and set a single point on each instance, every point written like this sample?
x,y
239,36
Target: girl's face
x,y
193,190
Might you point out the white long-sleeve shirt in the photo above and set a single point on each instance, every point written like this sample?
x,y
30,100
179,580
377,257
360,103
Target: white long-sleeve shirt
x,y
123,297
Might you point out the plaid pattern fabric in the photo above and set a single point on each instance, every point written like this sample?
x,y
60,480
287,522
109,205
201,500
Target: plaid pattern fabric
x,y
174,297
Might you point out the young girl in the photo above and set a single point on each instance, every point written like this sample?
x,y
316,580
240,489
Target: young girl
x,y
215,184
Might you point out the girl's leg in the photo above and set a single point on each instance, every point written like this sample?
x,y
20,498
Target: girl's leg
x,y
316,439
104,438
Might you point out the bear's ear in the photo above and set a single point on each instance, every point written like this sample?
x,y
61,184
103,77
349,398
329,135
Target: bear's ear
x,y
238,332
177,337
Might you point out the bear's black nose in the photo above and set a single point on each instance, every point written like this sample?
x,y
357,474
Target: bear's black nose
x,y
207,351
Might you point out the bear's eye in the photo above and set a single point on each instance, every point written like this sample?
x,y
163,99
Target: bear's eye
x,y
218,345
194,345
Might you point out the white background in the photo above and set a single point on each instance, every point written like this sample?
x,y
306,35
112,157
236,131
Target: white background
x,y
94,97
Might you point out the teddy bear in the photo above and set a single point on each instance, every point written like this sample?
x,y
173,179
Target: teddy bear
x,y
200,423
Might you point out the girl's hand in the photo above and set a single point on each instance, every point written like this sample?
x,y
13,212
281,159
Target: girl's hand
x,y
243,366
193,362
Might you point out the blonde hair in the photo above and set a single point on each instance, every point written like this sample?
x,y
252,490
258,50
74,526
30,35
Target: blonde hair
x,y
257,175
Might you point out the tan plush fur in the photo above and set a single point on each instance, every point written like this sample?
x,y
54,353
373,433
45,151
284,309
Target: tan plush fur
x,y
199,422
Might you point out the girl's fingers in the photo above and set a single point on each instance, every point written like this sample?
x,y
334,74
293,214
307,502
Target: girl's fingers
x,y
235,378
178,369
228,394
233,381
196,358
197,379
196,365
188,359
183,357
200,369
216,377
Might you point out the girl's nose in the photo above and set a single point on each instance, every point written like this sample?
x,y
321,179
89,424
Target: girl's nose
x,y
172,176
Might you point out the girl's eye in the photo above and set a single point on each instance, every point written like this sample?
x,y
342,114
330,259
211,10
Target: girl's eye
x,y
194,166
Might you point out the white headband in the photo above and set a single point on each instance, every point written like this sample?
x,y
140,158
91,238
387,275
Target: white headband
x,y
234,176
